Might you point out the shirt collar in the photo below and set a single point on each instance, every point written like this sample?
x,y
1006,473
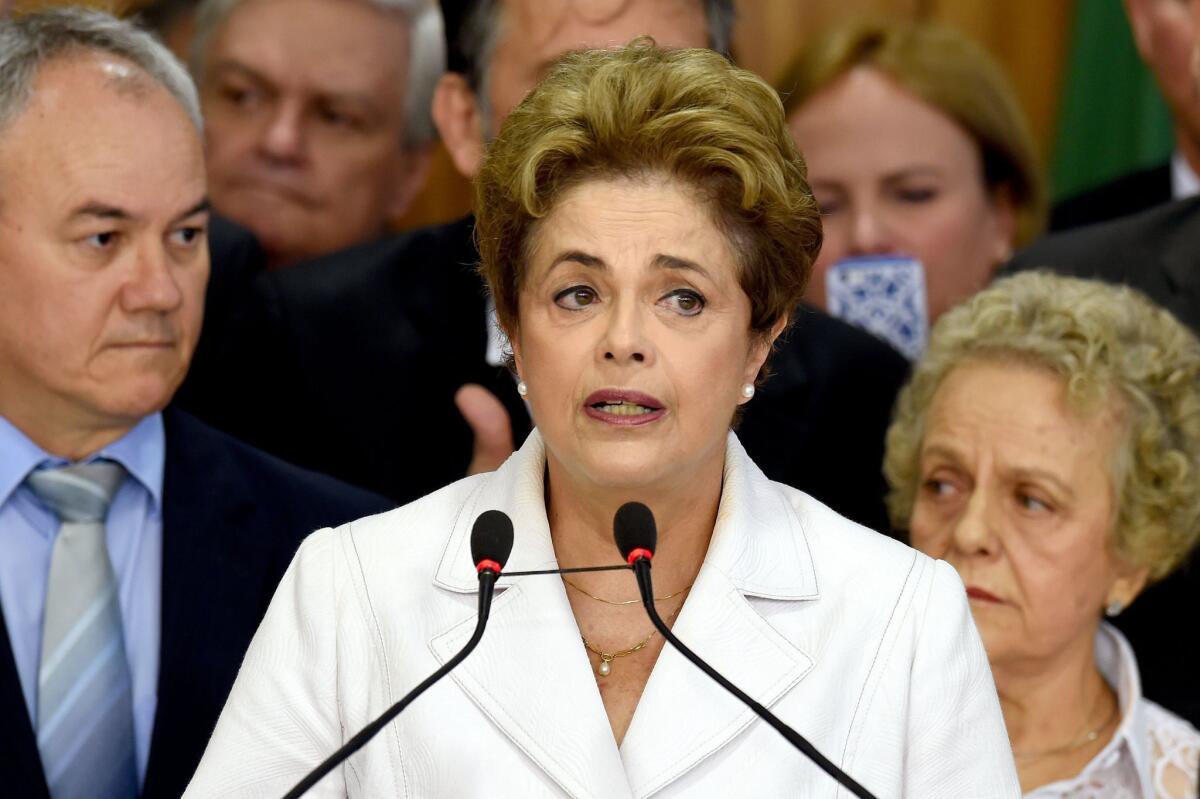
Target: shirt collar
x,y
18,457
1114,658
1184,182
142,451
1116,662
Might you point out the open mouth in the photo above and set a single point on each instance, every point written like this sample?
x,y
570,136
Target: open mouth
x,y
623,407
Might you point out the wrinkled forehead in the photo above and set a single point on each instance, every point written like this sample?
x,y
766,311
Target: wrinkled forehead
x,y
76,67
97,124
318,46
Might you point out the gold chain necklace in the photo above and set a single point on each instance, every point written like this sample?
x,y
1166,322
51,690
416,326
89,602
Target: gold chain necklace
x,y
606,658
1081,741
625,602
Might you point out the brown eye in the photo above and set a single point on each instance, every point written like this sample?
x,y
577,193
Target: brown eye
x,y
575,298
685,302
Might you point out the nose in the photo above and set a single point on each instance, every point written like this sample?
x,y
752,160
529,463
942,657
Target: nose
x,y
974,533
870,231
153,285
282,140
624,339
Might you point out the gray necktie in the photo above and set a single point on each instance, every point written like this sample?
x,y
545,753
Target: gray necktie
x,y
85,698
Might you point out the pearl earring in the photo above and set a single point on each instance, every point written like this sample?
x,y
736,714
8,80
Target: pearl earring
x,y
748,390
522,389
1114,608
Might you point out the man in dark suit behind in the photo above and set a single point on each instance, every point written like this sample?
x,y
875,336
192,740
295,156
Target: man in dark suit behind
x,y
138,547
349,364
1156,252
1165,34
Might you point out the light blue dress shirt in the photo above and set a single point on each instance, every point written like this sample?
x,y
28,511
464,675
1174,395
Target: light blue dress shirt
x,y
134,537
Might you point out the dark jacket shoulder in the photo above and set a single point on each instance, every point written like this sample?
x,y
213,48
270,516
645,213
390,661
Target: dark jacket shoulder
x,y
212,462
1128,194
232,518
1156,252
348,364
819,422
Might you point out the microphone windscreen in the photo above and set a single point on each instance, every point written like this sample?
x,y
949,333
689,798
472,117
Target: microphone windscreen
x,y
634,528
492,537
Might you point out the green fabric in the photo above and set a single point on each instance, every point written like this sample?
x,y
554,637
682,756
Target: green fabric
x,y
1113,119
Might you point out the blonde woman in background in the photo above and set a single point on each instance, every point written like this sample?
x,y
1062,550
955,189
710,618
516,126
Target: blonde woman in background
x,y
916,147
1047,446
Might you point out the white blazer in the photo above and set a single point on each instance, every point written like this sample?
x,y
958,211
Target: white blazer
x,y
861,644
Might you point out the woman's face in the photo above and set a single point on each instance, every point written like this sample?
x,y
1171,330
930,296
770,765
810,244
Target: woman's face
x,y
634,335
1016,492
895,176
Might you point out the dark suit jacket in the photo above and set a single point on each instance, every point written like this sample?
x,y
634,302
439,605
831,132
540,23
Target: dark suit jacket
x,y
819,422
1122,196
232,519
348,365
1157,251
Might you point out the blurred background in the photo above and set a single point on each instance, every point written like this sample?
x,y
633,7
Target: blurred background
x,y
1071,61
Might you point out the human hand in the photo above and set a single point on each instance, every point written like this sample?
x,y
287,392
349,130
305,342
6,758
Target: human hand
x,y
489,422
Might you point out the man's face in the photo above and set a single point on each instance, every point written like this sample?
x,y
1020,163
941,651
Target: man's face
x,y
1166,35
536,32
304,117
103,262
1194,7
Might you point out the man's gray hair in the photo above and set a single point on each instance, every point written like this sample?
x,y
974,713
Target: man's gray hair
x,y
30,41
426,57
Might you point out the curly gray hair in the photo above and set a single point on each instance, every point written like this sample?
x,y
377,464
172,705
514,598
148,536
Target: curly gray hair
x,y
1109,344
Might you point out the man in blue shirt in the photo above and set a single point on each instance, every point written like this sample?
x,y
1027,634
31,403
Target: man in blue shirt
x,y
138,548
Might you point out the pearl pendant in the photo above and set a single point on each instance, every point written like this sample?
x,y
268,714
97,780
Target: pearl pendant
x,y
604,669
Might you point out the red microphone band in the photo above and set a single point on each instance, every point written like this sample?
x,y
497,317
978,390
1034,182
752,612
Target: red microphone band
x,y
488,564
636,554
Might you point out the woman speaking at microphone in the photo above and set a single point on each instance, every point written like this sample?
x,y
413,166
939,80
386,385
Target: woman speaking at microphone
x,y
646,230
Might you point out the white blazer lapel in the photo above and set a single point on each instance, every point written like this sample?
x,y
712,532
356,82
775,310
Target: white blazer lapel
x,y
758,551
530,674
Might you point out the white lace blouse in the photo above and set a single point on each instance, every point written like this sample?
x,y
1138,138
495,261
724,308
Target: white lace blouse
x,y
1154,754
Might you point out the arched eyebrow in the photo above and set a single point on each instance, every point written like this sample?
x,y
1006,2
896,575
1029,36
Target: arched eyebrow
x,y
660,261
675,262
578,257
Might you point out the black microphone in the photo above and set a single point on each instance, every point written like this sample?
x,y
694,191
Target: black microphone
x,y
637,536
491,544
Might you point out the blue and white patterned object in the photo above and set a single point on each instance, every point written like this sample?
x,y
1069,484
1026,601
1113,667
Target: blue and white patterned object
x,y
884,295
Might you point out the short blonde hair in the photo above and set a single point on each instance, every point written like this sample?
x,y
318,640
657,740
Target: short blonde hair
x,y
640,111
949,72
1110,345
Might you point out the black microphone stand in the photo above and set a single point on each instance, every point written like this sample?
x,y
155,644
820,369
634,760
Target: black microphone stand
x,y
641,568
487,586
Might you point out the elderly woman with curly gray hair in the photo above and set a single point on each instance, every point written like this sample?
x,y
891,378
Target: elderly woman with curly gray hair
x,y
1048,447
